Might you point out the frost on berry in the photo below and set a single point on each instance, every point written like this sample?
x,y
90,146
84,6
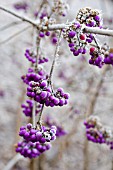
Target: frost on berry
x,y
89,17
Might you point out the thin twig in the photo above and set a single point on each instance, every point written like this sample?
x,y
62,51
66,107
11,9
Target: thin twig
x,y
36,68
32,164
55,55
13,161
7,26
18,16
90,111
37,51
14,35
33,114
97,45
39,117
41,6
50,75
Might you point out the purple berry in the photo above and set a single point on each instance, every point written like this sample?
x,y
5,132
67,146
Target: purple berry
x,y
41,34
71,34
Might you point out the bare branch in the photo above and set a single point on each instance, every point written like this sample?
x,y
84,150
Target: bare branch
x,y
13,161
33,114
55,55
93,30
98,31
18,16
10,25
94,98
39,117
14,35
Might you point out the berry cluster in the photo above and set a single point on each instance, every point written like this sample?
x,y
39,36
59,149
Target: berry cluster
x,y
77,39
89,17
78,42
42,60
30,149
108,59
43,94
44,135
96,58
30,56
33,76
28,108
97,133
100,56
35,141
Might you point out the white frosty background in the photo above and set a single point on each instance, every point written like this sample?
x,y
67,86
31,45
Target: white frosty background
x,y
67,152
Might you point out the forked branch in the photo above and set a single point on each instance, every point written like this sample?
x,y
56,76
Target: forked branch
x,y
86,29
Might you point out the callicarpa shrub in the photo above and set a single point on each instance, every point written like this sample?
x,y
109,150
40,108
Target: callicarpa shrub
x,y
80,35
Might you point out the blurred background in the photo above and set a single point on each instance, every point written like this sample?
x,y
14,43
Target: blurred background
x,y
87,85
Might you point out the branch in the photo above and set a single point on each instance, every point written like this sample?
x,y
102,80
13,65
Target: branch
x,y
10,25
39,118
14,35
33,114
94,98
98,31
18,16
95,30
55,55
38,41
90,110
13,161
